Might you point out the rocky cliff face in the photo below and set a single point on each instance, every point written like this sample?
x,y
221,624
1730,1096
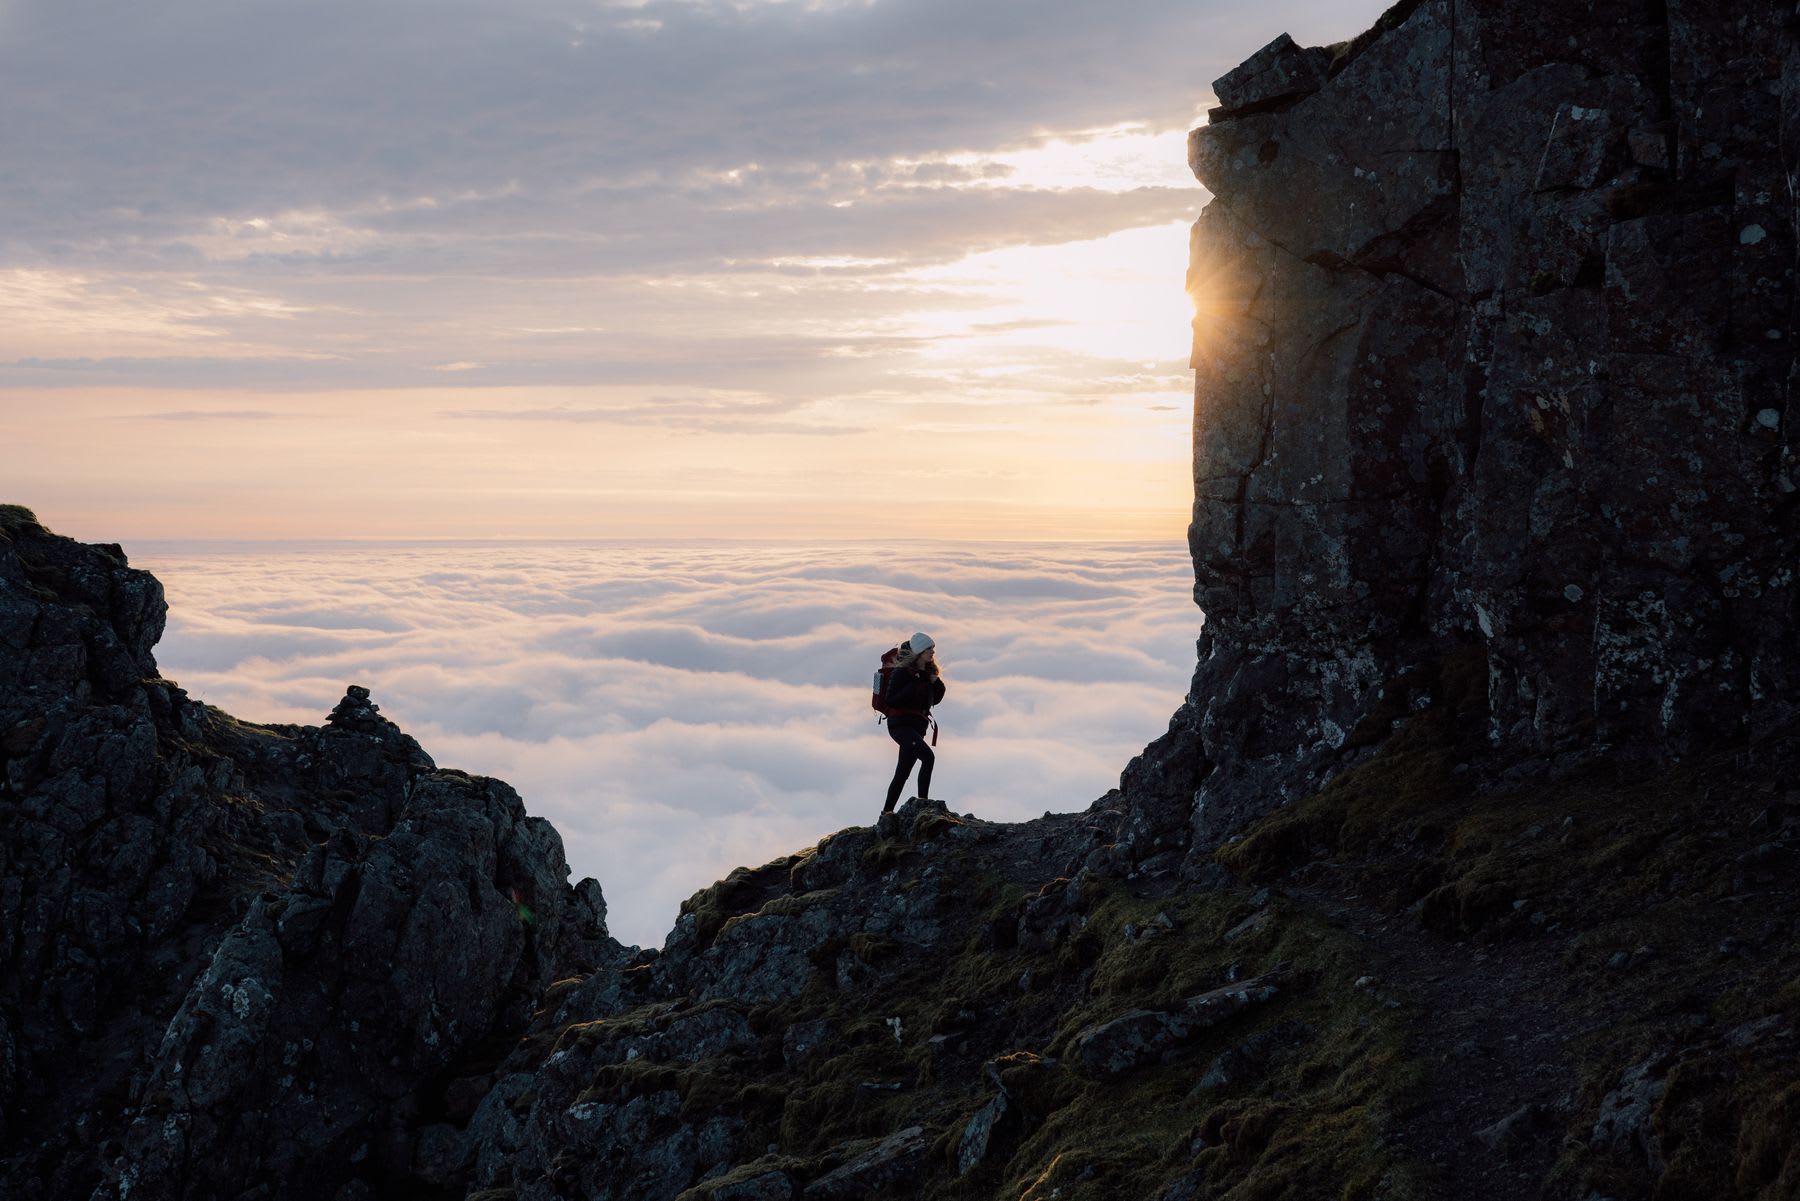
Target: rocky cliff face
x,y
234,958
1466,871
1495,358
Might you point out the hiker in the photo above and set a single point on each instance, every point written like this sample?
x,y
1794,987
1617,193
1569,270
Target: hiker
x,y
913,688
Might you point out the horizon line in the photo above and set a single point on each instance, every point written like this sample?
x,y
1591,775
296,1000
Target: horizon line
x,y
633,539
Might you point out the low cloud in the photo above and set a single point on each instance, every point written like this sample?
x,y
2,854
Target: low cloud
x,y
678,710
709,414
316,133
206,415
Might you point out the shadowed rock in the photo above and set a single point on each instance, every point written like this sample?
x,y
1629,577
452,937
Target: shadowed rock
x,y
234,952
1487,321
1142,1037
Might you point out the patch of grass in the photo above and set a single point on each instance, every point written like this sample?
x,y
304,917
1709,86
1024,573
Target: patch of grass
x,y
1767,1151
1413,774
1160,966
872,948
847,1095
785,905
585,1036
1667,889
706,1190
236,729
931,824
1311,1126
744,890
17,520
889,853
558,990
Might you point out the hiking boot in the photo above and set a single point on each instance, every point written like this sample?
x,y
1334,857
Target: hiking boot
x,y
888,824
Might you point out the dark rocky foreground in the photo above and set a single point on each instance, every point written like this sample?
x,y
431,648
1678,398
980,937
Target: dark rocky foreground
x,y
250,961
1466,871
238,959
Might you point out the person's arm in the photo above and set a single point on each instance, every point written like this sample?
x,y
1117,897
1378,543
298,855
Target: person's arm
x,y
937,689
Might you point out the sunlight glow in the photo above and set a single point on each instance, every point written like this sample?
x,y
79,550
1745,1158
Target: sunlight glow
x,y
1217,290
1118,297
1115,159
1038,390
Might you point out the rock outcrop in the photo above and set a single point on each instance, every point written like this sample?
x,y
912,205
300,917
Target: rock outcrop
x,y
236,958
1495,354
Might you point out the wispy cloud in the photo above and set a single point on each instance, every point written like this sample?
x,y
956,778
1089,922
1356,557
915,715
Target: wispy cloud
x,y
488,118
198,171
678,710
684,265
710,414
208,415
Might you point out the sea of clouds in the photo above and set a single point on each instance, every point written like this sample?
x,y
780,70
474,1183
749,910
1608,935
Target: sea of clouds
x,y
678,709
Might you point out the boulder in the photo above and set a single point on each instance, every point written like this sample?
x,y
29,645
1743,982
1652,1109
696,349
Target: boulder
x,y
894,1162
1140,1037
979,1135
1627,1112
1279,71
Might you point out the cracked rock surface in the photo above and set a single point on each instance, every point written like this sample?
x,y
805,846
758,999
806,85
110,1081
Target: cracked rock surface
x,y
1495,353
232,953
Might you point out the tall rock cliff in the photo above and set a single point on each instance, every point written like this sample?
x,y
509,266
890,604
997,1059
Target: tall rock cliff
x,y
1495,355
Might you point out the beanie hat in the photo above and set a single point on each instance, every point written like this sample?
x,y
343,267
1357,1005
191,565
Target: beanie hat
x,y
920,643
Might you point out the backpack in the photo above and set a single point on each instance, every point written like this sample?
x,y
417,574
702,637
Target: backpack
x,y
878,700
878,696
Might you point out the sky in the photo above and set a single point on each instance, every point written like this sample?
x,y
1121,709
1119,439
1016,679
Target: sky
x,y
753,334
678,710
650,268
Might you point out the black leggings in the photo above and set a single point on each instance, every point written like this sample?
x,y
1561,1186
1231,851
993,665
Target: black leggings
x,y
912,750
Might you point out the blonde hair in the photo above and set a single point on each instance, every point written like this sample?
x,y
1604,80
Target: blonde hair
x,y
908,656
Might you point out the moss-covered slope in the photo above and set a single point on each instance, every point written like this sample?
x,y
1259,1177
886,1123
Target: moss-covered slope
x,y
1436,978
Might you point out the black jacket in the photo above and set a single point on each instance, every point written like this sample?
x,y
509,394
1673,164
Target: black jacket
x,y
911,689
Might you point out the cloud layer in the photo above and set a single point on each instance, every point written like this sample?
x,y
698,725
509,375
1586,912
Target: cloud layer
x,y
362,192
205,129
679,710
588,268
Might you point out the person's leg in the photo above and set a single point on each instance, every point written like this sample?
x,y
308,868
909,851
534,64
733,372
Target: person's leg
x,y
926,758
909,742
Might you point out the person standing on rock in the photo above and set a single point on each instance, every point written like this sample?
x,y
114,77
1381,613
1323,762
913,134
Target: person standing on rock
x,y
913,688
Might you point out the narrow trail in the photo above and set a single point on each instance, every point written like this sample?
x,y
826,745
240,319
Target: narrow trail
x,y
1492,1026
1495,1025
